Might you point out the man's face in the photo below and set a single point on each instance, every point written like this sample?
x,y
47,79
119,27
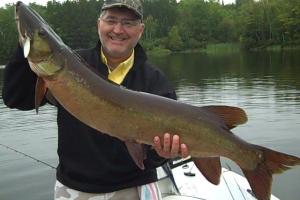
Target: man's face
x,y
119,31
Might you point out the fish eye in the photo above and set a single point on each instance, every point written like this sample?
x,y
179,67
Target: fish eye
x,y
42,33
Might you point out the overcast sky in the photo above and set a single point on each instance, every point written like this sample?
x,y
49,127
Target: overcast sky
x,y
44,2
41,2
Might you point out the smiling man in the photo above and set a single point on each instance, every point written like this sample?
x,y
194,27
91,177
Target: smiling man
x,y
119,31
94,165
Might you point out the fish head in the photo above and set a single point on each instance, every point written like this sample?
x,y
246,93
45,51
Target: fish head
x,y
41,45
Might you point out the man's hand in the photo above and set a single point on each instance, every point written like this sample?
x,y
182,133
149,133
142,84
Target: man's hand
x,y
170,147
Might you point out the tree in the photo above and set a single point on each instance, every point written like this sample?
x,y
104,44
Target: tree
x,y
75,21
8,33
164,12
289,22
151,28
193,20
174,42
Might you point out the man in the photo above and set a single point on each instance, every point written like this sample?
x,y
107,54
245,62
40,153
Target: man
x,y
94,165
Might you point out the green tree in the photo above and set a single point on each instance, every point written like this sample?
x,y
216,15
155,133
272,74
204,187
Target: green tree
x,y
289,22
164,12
174,42
8,33
221,22
151,27
75,21
241,2
194,26
252,23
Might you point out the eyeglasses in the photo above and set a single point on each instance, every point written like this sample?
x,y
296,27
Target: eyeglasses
x,y
126,23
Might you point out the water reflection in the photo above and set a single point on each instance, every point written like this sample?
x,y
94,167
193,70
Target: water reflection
x,y
197,68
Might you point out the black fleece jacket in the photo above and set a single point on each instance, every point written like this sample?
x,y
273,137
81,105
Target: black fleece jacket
x,y
91,161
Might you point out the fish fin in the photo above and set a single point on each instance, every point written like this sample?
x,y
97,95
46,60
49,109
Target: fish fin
x,y
51,99
260,179
210,168
137,153
40,92
233,116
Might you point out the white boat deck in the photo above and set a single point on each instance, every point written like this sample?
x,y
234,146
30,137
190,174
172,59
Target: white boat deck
x,y
232,186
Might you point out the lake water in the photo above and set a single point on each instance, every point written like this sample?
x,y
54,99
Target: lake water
x,y
266,85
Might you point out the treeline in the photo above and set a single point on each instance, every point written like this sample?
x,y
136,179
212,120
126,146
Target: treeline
x,y
189,24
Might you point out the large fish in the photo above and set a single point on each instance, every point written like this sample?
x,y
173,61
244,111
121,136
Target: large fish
x,y
137,117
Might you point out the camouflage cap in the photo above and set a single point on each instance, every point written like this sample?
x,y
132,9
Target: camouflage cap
x,y
135,5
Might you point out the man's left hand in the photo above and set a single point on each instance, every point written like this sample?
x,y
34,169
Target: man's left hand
x,y
170,147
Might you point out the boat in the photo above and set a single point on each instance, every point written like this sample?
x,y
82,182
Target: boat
x,y
181,180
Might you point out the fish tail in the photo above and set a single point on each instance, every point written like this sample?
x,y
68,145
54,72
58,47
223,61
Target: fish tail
x,y
260,179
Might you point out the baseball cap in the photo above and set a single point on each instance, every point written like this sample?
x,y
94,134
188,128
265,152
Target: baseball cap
x,y
135,5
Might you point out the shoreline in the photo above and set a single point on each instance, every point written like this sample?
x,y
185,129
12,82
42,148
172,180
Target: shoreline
x,y
224,48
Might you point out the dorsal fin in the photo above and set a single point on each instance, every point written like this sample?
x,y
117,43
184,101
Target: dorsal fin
x,y
233,116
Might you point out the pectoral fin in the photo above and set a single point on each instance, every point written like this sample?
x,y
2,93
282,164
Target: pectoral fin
x,y
137,152
210,168
40,92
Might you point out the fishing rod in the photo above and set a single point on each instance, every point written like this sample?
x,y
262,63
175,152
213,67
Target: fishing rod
x,y
28,156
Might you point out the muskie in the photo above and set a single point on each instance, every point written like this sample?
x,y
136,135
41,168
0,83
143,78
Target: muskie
x,y
136,117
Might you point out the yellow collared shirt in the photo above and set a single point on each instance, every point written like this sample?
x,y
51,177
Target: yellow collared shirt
x,y
120,72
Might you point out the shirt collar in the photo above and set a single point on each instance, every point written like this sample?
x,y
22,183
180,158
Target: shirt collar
x,y
120,72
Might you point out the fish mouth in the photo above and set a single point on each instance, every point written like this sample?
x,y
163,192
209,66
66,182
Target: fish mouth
x,y
18,3
17,19
17,7
24,34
